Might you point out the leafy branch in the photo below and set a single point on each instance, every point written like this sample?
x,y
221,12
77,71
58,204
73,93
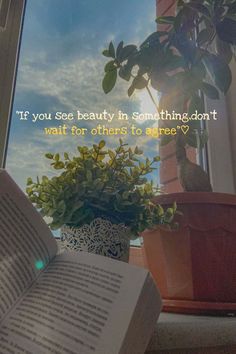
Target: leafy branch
x,y
100,182
182,63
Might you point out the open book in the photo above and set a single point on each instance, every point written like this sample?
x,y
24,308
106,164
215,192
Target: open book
x,y
72,303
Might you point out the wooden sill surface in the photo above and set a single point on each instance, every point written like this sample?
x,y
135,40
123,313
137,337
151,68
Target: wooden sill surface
x,y
191,334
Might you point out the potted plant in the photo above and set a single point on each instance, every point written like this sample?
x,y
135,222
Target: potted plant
x,y
101,199
185,62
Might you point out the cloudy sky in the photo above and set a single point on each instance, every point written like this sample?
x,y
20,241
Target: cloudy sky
x,y
61,69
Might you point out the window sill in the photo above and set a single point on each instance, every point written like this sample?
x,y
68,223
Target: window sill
x,y
189,334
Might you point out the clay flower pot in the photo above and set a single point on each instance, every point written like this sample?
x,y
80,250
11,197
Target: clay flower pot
x,y
195,266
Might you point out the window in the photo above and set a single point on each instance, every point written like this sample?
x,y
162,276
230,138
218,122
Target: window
x,y
61,69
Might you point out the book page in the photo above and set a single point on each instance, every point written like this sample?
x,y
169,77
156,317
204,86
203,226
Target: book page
x,y
82,303
144,319
26,243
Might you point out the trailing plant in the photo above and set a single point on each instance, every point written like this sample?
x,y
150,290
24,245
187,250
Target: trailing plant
x,y
99,182
186,61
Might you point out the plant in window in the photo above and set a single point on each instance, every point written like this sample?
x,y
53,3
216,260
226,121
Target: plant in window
x,y
183,63
100,183
186,61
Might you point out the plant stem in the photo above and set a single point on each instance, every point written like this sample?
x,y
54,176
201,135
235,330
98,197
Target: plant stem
x,y
152,98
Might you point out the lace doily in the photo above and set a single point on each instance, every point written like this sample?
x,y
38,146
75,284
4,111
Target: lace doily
x,y
100,237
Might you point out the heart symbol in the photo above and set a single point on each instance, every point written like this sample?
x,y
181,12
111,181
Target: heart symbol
x,y
185,129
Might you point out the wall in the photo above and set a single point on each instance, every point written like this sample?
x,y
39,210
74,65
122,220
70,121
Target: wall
x,y
230,100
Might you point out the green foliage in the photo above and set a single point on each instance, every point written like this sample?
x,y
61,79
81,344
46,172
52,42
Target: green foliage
x,y
182,62
100,182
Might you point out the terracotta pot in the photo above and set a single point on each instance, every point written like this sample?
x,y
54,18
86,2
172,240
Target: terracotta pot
x,y
197,262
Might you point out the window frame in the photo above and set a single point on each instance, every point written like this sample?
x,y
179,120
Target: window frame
x,y
10,38
219,160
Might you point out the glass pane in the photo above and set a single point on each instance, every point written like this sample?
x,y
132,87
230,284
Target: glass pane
x,y
61,69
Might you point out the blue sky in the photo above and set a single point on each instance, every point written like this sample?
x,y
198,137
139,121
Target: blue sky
x,y
61,69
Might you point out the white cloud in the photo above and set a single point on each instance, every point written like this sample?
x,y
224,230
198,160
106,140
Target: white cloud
x,y
76,85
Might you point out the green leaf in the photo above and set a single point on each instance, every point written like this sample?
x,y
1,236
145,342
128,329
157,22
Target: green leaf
x,y
165,20
58,165
109,81
56,157
101,144
131,90
180,3
106,53
197,139
119,49
169,214
194,124
49,156
232,8
210,91
145,58
224,50
139,82
156,158
174,62
61,206
125,195
219,71
110,66
56,225
29,181
196,104
198,71
154,38
204,36
200,8
180,19
112,50
89,176
125,72
126,52
191,139
111,154
45,179
231,16
174,207
138,151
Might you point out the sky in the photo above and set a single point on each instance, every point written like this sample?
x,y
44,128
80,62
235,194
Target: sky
x,y
61,69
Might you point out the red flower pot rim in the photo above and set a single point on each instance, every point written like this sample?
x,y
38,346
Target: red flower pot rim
x,y
196,198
